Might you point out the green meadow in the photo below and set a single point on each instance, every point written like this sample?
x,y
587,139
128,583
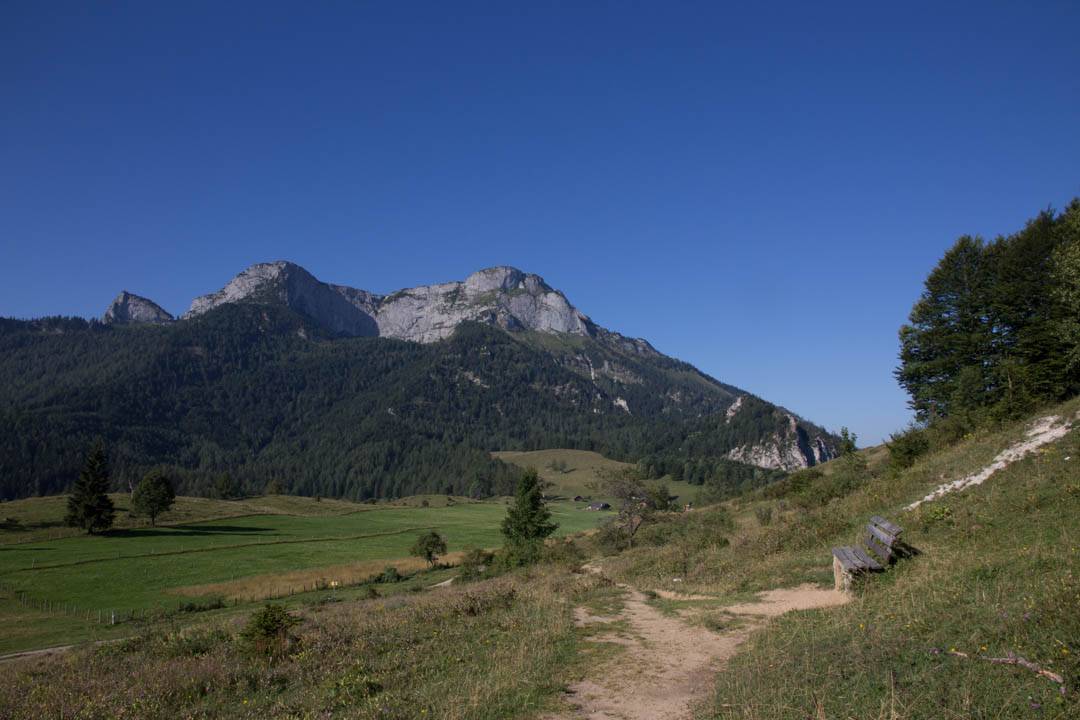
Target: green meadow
x,y
149,568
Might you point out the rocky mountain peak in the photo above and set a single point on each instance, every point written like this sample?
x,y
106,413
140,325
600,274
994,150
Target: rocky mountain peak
x,y
503,296
129,308
500,277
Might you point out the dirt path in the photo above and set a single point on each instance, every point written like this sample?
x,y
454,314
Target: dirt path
x,y
668,664
56,650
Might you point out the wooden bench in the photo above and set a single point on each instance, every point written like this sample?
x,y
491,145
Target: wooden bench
x,y
879,549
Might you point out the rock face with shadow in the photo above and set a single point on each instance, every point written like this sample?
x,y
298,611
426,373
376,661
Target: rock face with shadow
x,y
129,309
502,296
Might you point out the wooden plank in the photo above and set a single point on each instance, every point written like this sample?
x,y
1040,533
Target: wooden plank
x,y
841,554
883,537
882,551
848,558
891,528
870,562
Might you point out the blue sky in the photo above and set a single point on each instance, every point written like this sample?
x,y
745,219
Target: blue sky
x,y
759,191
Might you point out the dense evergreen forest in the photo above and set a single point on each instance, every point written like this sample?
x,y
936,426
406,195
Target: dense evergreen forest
x,y
996,331
261,394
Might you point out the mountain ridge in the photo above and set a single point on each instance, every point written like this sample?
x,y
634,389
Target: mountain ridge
x,y
508,298
339,392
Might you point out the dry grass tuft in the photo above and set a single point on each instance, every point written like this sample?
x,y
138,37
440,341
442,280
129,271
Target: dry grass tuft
x,y
276,585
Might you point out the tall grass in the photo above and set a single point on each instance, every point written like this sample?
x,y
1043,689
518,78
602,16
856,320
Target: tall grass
x,y
494,649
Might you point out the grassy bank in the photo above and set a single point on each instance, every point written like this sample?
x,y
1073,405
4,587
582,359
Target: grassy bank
x,y
997,575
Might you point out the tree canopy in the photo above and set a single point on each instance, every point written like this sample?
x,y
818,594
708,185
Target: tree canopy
x,y
996,330
429,546
260,393
153,495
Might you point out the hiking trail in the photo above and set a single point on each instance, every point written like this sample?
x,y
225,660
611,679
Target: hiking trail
x,y
667,664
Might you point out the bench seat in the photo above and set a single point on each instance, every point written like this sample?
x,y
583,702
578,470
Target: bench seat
x,y
878,551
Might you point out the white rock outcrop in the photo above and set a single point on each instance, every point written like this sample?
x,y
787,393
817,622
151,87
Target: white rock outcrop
x,y
789,449
131,309
502,296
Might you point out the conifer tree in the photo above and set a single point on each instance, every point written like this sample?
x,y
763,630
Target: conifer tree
x,y
527,521
89,506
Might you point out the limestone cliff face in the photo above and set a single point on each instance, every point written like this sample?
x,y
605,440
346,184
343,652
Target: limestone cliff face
x,y
501,296
291,285
791,448
130,309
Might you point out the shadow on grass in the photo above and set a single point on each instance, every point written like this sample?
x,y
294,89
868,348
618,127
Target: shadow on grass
x,y
190,531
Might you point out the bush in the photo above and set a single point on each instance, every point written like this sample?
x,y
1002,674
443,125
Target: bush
x,y
193,606
906,446
564,552
390,574
267,630
763,513
476,565
192,643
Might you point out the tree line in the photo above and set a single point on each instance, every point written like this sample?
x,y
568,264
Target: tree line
x,y
996,331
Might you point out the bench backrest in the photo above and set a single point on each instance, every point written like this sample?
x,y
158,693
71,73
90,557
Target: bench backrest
x,y
882,538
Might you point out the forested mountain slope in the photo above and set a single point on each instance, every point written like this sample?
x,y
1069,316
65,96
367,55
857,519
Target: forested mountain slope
x,y
258,391
275,378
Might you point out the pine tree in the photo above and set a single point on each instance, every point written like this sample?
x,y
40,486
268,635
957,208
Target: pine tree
x,y
89,506
527,521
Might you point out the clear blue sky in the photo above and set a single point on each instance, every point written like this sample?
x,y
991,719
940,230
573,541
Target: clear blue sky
x,y
758,191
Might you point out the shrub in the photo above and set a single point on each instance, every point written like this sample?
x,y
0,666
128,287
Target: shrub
x,y
390,574
193,643
476,564
193,606
763,513
906,446
267,630
564,552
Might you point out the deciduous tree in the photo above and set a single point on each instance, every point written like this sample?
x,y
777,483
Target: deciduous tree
x,y
429,546
153,495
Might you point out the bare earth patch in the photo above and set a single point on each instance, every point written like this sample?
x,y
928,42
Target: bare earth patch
x,y
669,665
1045,430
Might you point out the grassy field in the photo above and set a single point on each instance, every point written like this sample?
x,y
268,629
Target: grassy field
x,y
575,472
242,558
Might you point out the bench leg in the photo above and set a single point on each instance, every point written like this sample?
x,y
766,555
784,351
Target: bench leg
x,y
841,578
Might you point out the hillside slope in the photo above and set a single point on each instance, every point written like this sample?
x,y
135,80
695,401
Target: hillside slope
x,y
997,576
262,392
